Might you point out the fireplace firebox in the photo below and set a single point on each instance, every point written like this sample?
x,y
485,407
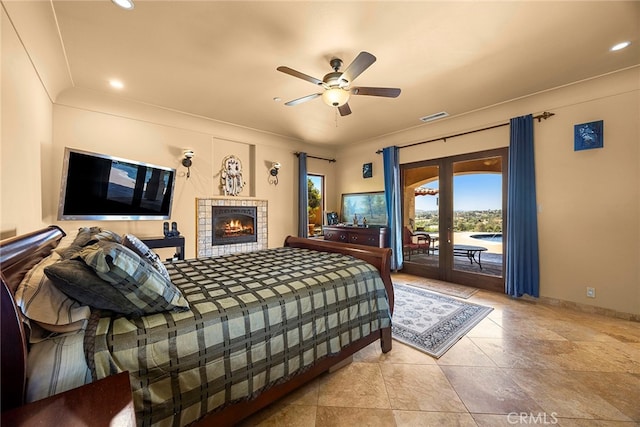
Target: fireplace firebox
x,y
233,224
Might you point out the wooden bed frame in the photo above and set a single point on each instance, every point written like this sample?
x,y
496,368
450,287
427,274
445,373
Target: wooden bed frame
x,y
19,254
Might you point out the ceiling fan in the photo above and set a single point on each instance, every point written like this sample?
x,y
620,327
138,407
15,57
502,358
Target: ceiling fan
x,y
337,85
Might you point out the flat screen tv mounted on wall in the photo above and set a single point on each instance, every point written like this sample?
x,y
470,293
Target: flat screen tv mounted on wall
x,y
100,187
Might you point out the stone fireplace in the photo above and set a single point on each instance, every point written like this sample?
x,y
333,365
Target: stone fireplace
x,y
228,225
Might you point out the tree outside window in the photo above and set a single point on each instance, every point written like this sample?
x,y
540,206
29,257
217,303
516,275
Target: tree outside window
x,y
315,185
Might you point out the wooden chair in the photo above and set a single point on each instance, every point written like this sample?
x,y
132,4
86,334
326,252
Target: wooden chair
x,y
414,243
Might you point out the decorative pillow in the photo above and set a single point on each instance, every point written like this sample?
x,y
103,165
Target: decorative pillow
x,y
86,236
79,281
137,246
42,302
134,277
66,241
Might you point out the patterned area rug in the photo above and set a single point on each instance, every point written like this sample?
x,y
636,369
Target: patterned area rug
x,y
432,322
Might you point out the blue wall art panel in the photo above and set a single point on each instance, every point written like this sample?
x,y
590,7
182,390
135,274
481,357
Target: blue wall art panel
x,y
588,135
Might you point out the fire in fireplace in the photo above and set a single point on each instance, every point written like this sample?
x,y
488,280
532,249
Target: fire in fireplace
x,y
233,225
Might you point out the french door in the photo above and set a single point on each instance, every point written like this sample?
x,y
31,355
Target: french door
x,y
459,202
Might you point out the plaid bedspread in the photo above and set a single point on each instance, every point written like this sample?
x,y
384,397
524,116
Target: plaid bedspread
x,y
255,319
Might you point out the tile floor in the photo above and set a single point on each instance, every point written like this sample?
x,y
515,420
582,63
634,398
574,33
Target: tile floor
x,y
524,364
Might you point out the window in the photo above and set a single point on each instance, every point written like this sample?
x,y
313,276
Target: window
x,y
315,185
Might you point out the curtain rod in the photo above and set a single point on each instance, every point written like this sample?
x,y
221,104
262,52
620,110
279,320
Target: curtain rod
x,y
314,157
545,115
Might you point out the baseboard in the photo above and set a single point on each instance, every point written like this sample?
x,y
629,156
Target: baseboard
x,y
585,308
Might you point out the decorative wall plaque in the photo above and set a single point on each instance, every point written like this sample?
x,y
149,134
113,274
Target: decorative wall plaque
x,y
231,179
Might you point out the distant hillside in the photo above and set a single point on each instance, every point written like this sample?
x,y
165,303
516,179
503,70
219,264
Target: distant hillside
x,y
480,221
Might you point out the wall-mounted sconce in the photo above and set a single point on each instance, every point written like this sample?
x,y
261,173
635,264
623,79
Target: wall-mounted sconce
x,y
273,173
187,162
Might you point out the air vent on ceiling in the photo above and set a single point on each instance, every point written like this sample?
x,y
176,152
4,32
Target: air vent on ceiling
x,y
433,117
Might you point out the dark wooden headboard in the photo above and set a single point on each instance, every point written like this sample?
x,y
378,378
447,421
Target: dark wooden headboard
x,y
17,256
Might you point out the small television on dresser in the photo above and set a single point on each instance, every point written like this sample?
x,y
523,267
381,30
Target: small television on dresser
x,y
101,187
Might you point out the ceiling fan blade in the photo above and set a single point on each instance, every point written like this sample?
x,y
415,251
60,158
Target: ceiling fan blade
x,y
388,92
345,110
299,75
361,63
303,99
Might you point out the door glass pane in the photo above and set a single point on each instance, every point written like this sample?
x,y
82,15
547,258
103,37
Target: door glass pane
x,y
477,216
422,217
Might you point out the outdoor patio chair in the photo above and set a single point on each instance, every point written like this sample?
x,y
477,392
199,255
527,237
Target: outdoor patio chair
x,y
414,243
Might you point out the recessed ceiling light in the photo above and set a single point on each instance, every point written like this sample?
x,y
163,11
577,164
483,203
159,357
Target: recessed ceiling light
x,y
620,46
125,4
117,84
277,99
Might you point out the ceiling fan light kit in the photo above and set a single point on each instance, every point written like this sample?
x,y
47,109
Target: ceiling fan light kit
x,y
335,97
337,90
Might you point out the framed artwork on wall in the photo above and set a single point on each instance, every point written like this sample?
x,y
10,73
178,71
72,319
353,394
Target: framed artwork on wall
x,y
588,135
367,170
371,206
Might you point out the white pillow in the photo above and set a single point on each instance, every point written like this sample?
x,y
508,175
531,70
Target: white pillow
x,y
42,302
55,365
138,246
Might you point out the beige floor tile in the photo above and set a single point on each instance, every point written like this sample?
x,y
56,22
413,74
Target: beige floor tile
x,y
359,385
283,416
432,419
489,390
511,353
353,417
623,357
465,353
525,419
552,354
621,390
305,395
487,328
523,328
400,353
420,387
575,330
559,392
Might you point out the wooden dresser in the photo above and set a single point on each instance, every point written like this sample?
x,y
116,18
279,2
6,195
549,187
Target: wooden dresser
x,y
370,236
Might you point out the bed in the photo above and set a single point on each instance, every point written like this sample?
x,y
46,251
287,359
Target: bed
x,y
255,326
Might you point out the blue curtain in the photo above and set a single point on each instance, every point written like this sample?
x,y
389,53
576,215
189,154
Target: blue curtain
x,y
394,203
522,269
303,196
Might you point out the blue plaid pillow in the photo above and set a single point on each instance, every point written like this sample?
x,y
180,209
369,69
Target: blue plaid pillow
x,y
134,277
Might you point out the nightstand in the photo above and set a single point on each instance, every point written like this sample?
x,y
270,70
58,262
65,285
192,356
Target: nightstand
x,y
166,242
106,402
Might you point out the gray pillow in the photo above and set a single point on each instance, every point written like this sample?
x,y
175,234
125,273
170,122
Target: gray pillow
x,y
80,282
86,236
134,277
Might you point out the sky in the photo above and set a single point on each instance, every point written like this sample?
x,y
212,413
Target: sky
x,y
470,192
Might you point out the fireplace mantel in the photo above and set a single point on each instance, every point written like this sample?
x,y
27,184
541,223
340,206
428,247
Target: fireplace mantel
x,y
204,226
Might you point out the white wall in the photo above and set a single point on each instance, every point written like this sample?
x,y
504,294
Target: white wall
x,y
589,219
143,133
25,135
